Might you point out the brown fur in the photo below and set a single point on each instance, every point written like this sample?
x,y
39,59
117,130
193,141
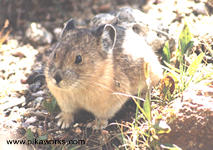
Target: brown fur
x,y
103,71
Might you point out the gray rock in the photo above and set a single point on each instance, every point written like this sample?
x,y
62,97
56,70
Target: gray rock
x,y
35,86
154,33
103,18
31,120
191,118
200,9
38,94
39,99
57,32
38,34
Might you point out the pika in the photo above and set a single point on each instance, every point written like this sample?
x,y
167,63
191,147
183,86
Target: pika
x,y
89,65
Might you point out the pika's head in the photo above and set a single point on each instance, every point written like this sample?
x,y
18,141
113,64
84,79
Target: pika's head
x,y
78,55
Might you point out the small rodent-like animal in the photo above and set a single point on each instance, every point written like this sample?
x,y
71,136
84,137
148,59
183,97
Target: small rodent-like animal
x,y
88,66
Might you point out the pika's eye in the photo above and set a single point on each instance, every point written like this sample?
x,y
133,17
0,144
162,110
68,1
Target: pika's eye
x,y
78,59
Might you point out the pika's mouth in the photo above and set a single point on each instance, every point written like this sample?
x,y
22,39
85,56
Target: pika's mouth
x,y
57,77
64,79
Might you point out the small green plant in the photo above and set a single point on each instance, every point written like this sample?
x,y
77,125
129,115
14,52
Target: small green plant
x,y
184,45
167,87
143,131
166,55
29,135
184,74
50,104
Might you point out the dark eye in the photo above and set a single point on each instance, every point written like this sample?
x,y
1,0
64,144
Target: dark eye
x,y
78,59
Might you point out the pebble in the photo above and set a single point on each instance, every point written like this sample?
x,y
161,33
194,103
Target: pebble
x,y
39,99
24,125
200,9
35,86
13,43
32,128
75,125
105,132
44,112
78,130
38,94
38,34
37,105
15,109
49,124
57,32
31,120
34,75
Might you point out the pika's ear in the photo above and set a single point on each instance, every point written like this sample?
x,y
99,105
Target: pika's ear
x,y
108,37
69,25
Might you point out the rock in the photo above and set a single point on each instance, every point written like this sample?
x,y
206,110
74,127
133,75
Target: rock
x,y
15,109
38,34
78,131
209,3
39,93
101,19
22,110
35,86
34,76
154,33
200,9
39,99
57,32
124,16
49,125
11,102
132,15
13,42
192,120
31,120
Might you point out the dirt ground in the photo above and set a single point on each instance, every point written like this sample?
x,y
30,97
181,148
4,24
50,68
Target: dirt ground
x,y
27,109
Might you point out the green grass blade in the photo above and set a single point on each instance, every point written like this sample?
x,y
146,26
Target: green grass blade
x,y
29,135
185,40
141,109
166,52
147,107
195,64
171,67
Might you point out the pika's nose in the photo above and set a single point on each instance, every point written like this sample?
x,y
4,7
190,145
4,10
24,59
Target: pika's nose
x,y
57,77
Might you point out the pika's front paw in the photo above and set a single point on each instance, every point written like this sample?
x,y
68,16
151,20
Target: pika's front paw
x,y
98,124
64,119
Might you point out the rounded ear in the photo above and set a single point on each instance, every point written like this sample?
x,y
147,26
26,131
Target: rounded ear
x,y
69,25
108,37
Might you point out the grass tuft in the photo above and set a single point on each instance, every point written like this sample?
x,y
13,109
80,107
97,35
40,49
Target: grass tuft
x,y
144,131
